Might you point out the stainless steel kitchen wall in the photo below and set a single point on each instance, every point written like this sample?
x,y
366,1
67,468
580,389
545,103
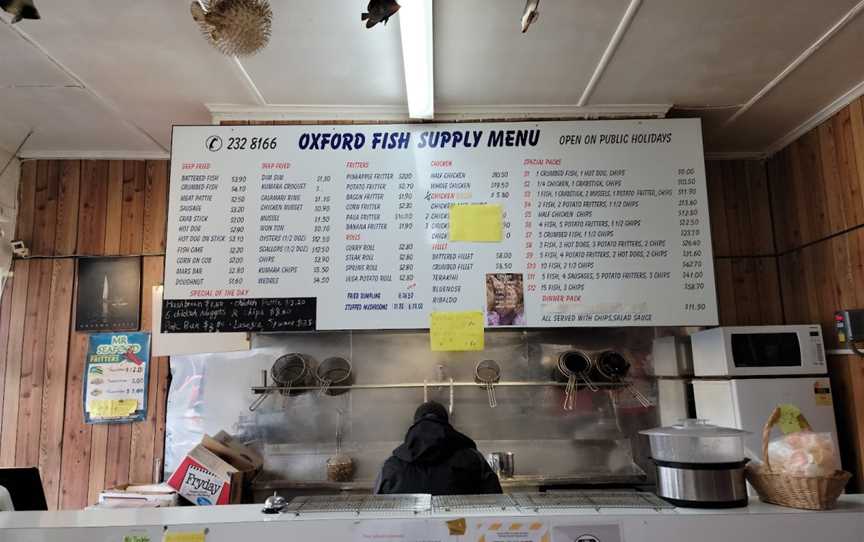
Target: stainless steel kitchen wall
x,y
597,440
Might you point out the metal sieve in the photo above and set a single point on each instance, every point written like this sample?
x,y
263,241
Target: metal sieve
x,y
488,373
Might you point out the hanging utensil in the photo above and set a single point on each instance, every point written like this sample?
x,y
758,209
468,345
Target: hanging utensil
x,y
614,367
264,394
340,468
334,371
293,370
488,373
574,365
450,407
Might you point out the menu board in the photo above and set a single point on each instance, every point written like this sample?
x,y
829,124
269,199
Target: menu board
x,y
288,228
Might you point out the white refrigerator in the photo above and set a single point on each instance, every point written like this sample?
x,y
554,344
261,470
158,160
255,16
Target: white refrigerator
x,y
747,403
742,373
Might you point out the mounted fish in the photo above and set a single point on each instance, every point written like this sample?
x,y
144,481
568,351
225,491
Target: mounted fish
x,y
530,14
235,27
378,11
20,9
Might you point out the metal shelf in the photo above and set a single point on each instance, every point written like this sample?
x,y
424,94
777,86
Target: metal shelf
x,y
258,390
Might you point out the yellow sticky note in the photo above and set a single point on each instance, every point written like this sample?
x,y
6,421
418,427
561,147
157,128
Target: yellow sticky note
x,y
187,536
476,223
788,422
456,331
112,408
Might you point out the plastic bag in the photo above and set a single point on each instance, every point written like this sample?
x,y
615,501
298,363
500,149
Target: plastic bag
x,y
804,453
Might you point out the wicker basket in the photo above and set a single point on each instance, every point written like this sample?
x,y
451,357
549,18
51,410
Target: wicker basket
x,y
808,493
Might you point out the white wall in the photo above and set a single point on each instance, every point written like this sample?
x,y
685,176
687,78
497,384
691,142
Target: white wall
x,y
9,179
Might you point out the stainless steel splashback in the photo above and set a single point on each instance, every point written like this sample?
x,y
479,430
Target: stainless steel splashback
x,y
297,434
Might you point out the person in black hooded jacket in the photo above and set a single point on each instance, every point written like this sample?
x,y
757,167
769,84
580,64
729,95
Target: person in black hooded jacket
x,y
436,459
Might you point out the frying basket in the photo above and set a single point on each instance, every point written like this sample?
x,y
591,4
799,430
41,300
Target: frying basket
x,y
488,373
334,371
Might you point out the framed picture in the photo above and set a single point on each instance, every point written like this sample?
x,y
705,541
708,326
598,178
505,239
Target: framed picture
x,y
109,294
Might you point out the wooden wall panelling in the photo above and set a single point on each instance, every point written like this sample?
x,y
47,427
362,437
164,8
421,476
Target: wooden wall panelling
x,y
33,363
725,291
847,386
759,203
850,190
155,207
114,207
45,215
826,279
768,288
92,208
26,202
735,196
5,324
779,203
162,367
799,189
855,242
834,182
717,209
748,291
856,113
785,185
66,236
142,465
792,288
111,247
56,353
814,185
132,223
12,382
75,459
739,207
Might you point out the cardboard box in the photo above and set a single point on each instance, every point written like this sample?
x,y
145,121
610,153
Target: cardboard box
x,y
214,471
138,496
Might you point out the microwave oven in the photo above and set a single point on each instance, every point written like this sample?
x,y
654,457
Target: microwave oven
x,y
759,351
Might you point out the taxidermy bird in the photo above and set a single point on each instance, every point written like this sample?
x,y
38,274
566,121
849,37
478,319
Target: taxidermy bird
x,y
235,27
20,9
530,14
378,11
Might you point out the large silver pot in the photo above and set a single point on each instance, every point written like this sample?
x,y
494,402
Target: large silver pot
x,y
702,485
699,465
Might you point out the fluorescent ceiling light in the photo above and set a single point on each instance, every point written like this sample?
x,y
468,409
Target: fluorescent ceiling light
x,y
415,24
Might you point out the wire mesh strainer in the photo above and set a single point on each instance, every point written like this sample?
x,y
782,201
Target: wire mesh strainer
x,y
488,373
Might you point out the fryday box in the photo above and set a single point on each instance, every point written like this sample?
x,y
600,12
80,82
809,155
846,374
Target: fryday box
x,y
214,470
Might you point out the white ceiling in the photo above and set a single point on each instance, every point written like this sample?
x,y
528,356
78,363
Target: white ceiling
x,y
110,78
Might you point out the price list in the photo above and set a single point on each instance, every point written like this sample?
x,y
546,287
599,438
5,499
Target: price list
x,y
348,227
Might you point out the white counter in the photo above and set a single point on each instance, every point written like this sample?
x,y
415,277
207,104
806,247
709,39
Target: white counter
x,y
758,523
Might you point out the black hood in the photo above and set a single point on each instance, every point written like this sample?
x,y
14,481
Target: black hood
x,y
431,440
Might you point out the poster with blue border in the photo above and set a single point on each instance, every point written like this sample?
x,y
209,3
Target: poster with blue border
x,y
116,377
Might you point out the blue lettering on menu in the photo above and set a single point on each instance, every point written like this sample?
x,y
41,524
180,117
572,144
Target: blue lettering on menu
x,y
439,139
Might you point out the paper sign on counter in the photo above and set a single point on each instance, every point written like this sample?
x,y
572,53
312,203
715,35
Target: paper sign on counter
x,y
411,530
476,223
456,331
185,536
112,408
509,531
